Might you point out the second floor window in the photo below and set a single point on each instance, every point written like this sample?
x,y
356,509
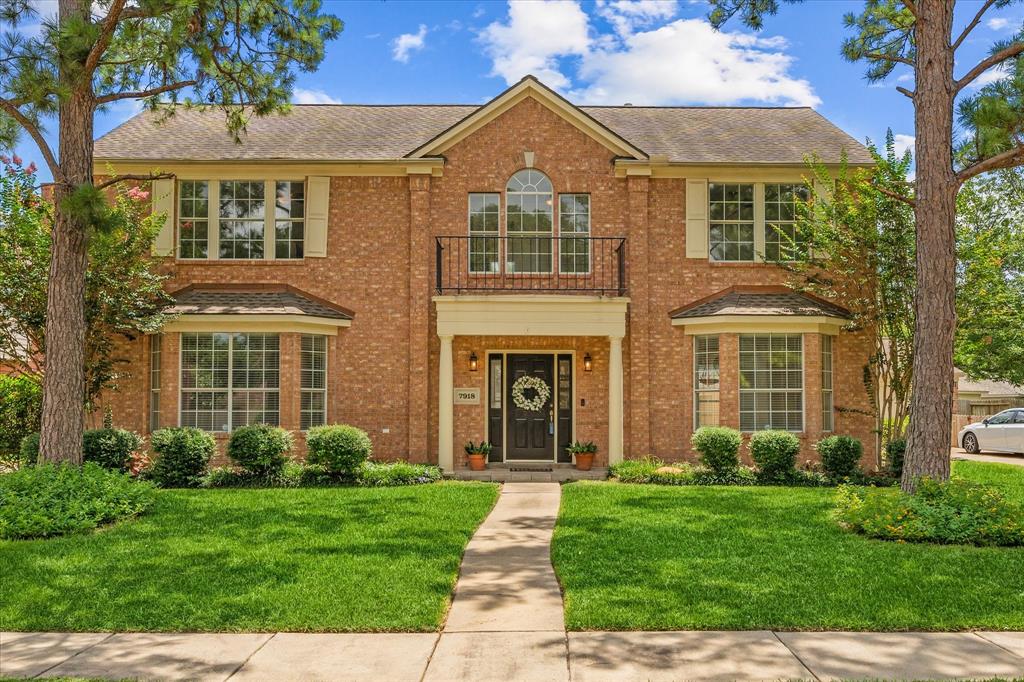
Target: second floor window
x,y
574,228
289,219
529,204
242,218
484,219
193,219
731,220
781,240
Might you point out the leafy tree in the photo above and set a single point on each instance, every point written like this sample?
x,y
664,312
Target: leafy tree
x,y
918,34
238,55
863,259
990,277
124,295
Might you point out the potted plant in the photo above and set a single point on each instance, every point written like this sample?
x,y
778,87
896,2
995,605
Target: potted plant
x,y
583,454
478,453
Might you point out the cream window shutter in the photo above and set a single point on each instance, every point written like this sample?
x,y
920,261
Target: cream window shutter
x,y
697,219
318,199
163,202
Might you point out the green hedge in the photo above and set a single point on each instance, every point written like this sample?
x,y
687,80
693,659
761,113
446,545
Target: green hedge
x,y
56,499
840,456
719,447
774,452
340,448
952,512
181,456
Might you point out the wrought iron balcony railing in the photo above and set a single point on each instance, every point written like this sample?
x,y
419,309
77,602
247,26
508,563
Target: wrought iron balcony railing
x,y
531,263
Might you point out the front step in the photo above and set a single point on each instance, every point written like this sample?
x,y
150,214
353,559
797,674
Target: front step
x,y
543,474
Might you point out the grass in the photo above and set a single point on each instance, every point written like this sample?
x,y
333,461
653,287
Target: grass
x,y
318,559
642,557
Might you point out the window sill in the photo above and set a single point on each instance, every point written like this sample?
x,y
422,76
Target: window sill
x,y
240,261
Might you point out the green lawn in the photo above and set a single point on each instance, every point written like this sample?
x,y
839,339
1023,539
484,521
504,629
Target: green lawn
x,y
328,559
637,557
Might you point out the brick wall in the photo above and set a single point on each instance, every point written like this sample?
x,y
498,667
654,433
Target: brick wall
x,y
383,370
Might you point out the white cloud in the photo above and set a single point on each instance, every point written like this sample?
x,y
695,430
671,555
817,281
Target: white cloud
x,y
408,42
988,77
901,143
682,61
536,35
304,96
997,23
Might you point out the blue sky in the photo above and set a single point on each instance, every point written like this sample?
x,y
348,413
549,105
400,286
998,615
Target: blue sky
x,y
607,52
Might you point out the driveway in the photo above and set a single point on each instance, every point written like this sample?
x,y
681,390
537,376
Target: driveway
x,y
960,453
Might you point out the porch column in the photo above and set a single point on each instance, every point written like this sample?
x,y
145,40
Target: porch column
x,y
614,400
445,392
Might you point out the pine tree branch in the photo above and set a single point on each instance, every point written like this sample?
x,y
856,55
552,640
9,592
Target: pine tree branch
x,y
974,22
1008,159
134,176
903,91
139,94
984,65
881,56
106,35
37,136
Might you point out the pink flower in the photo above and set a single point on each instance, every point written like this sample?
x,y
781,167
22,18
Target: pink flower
x,y
16,159
136,194
5,159
31,168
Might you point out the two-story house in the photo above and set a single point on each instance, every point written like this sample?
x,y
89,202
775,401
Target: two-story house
x,y
529,271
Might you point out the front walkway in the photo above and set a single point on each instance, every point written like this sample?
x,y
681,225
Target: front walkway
x,y
506,625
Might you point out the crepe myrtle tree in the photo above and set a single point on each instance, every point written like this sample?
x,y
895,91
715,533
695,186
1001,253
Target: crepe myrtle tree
x,y
919,35
238,55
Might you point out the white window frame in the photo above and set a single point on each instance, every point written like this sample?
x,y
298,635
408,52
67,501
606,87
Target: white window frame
x,y
828,418
738,222
487,234
179,198
740,391
522,234
231,390
155,363
575,235
768,226
304,390
213,216
290,220
760,224
697,391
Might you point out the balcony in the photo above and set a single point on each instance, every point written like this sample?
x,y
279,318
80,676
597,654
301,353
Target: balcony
x,y
526,263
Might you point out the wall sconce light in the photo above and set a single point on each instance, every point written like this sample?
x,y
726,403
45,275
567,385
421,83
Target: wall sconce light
x,y
588,362
472,361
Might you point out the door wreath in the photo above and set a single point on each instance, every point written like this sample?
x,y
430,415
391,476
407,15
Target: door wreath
x,y
540,388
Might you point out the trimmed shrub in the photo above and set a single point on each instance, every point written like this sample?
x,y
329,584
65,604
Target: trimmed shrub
x,y
775,454
894,451
21,404
110,448
260,448
383,474
951,512
340,448
29,450
182,454
840,455
56,499
718,446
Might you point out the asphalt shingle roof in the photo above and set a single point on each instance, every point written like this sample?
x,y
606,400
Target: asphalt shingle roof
x,y
760,303
346,132
225,300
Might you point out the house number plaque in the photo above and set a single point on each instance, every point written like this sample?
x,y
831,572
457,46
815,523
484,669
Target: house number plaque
x,y
467,396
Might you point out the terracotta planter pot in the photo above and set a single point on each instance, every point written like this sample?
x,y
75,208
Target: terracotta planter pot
x,y
584,460
477,462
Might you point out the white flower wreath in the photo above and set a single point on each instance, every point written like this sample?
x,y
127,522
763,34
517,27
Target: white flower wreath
x,y
537,384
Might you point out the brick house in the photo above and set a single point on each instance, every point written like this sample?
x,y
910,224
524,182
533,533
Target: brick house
x,y
528,271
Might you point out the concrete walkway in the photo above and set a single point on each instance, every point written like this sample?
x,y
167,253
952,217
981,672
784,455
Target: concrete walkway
x,y
506,625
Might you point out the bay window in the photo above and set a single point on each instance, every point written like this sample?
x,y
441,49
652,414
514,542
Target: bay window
x,y
313,396
229,380
705,381
827,407
771,382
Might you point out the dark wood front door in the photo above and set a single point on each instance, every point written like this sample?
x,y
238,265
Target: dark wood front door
x,y
530,433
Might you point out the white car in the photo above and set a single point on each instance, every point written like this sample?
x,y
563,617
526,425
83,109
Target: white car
x,y
1003,432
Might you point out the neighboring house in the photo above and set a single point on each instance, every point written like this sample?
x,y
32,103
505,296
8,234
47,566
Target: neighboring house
x,y
984,398
418,261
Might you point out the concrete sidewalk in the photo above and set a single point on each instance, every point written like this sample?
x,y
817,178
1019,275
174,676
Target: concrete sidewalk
x,y
506,625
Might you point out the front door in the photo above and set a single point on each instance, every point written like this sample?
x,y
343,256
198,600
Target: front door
x,y
530,413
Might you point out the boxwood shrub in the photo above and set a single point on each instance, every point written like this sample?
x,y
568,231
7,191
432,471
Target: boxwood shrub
x,y
182,454
718,446
110,448
260,449
774,452
342,449
951,512
56,499
840,456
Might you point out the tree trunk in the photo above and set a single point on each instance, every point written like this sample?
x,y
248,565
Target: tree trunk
x,y
64,381
931,402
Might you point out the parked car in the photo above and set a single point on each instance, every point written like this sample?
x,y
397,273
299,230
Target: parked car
x,y
1003,432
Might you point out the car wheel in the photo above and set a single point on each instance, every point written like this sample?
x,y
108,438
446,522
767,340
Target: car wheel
x,y
971,443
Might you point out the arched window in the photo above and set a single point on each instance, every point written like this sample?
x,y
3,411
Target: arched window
x,y
529,202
